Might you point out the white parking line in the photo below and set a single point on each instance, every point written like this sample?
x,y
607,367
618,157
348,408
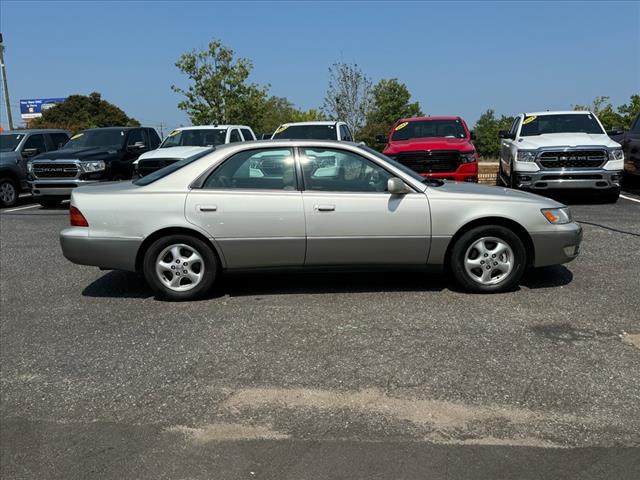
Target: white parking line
x,y
20,208
629,198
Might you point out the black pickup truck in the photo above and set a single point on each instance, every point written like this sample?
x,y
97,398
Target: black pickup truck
x,y
630,142
94,155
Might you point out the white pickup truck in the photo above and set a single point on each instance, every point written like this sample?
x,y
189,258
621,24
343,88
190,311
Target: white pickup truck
x,y
560,150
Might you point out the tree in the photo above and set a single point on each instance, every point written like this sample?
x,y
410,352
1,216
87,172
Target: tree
x,y
219,92
486,130
279,110
602,107
78,112
630,111
348,96
391,101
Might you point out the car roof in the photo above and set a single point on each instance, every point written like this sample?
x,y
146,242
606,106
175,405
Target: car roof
x,y
437,117
211,127
558,112
111,128
319,122
37,130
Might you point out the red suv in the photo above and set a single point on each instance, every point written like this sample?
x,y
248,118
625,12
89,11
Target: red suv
x,y
435,147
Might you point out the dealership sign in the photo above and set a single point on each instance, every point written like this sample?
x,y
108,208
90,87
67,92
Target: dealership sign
x,y
33,107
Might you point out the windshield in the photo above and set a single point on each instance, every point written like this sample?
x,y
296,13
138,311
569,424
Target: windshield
x,y
169,169
307,132
567,123
206,137
108,138
398,165
428,128
9,141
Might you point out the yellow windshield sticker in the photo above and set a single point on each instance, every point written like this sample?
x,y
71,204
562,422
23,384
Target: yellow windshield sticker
x,y
401,126
281,129
529,119
77,135
175,132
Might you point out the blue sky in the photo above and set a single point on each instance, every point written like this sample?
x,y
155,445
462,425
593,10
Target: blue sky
x,y
456,58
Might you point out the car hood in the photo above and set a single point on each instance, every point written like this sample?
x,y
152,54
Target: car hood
x,y
9,157
87,153
565,140
172,152
429,143
487,192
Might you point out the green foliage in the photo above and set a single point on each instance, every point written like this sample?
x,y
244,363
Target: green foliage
x,y
349,97
486,130
219,92
611,118
391,101
278,110
78,112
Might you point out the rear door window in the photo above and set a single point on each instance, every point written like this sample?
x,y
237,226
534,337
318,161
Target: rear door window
x,y
246,133
235,136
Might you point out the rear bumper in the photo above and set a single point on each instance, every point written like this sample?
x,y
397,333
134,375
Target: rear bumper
x,y
56,188
569,179
559,246
109,253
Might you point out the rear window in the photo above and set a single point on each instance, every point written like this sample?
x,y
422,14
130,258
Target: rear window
x,y
169,169
307,132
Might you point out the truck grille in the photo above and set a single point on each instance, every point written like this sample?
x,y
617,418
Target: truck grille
x,y
428,161
573,159
55,170
146,167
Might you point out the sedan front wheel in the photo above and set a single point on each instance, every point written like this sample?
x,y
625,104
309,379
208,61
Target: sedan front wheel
x,y
488,259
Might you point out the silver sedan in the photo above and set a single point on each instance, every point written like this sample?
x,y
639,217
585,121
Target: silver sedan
x,y
283,203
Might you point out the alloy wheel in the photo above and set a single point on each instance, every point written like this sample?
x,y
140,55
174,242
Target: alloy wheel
x,y
7,193
180,267
489,261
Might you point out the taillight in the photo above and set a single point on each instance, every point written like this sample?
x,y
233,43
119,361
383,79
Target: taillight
x,y
76,218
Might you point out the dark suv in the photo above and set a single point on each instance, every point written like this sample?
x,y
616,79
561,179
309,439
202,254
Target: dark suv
x,y
16,148
630,142
94,155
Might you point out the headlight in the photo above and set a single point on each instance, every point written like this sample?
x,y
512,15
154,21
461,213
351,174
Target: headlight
x,y
30,167
616,154
557,216
96,166
469,157
526,156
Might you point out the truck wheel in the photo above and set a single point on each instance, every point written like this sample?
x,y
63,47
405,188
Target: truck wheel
x,y
8,192
180,267
49,202
488,259
610,196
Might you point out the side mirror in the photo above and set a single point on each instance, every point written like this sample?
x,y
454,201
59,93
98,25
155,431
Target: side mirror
x,y
615,131
506,134
395,186
138,146
30,152
381,139
472,135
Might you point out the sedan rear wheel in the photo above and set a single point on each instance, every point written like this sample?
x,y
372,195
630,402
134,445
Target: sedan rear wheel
x,y
180,267
488,259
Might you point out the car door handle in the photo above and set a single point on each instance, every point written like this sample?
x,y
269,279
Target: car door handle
x,y
324,208
208,208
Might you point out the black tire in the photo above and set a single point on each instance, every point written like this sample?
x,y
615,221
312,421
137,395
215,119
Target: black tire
x,y
9,191
499,181
49,202
610,196
465,242
210,262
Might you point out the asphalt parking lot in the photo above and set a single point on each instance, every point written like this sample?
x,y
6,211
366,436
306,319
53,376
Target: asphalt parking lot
x,y
383,375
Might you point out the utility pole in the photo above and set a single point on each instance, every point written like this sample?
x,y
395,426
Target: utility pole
x,y
4,83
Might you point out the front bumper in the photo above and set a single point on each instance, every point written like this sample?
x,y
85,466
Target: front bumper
x,y
559,246
467,172
56,188
568,179
108,253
